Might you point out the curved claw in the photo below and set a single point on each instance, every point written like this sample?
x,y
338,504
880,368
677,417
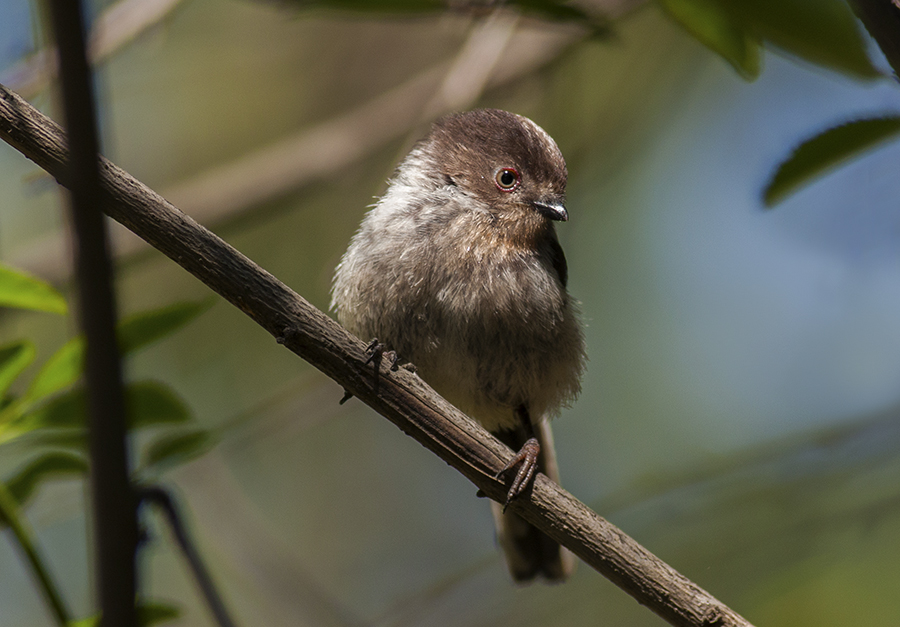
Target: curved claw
x,y
375,349
527,461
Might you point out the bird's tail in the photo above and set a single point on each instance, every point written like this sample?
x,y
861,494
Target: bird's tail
x,y
530,553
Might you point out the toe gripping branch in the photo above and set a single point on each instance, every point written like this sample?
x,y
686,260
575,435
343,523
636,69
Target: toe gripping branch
x,y
376,351
527,462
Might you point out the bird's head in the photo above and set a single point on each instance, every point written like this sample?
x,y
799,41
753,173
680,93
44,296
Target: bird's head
x,y
505,161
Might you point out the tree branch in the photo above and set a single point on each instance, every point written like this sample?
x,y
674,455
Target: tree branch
x,y
402,397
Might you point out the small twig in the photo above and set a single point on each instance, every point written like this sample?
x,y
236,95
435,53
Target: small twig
x,y
159,497
114,508
404,399
9,515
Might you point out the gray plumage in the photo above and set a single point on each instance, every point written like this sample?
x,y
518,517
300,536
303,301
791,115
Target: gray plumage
x,y
458,269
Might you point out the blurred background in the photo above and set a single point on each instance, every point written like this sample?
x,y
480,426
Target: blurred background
x,y
741,409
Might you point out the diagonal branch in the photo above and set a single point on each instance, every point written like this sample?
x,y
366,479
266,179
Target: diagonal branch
x,y
402,397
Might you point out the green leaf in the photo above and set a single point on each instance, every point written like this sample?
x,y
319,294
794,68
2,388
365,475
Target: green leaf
x,y
74,439
66,411
823,32
59,372
23,291
149,614
377,6
175,449
149,404
14,358
560,11
139,330
714,27
49,465
817,155
135,332
546,9
152,613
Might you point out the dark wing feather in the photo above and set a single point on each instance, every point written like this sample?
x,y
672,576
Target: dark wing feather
x,y
558,259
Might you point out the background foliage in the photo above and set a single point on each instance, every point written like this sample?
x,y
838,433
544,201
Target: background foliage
x,y
739,415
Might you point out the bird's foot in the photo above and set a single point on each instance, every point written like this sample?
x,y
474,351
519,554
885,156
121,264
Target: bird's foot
x,y
377,351
527,462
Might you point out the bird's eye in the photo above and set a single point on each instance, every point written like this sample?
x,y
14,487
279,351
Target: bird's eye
x,y
507,179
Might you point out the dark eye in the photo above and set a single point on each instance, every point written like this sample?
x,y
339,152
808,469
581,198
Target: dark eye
x,y
507,179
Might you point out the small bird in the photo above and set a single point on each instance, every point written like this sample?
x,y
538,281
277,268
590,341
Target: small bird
x,y
458,270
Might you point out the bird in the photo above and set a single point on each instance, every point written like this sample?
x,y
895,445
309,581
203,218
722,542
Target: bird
x,y
458,270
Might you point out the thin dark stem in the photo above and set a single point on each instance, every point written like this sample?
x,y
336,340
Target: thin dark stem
x,y
161,498
9,514
114,510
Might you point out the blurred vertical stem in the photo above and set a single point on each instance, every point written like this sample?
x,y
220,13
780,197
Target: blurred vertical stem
x,y
9,513
115,529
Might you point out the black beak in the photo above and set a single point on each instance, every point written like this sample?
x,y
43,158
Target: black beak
x,y
552,210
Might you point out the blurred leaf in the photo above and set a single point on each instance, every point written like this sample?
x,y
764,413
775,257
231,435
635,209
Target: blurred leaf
x,y
546,9
714,27
148,614
74,438
560,11
171,450
65,366
50,465
149,404
139,330
10,415
154,613
14,358
826,150
377,6
65,411
23,291
59,372
823,32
